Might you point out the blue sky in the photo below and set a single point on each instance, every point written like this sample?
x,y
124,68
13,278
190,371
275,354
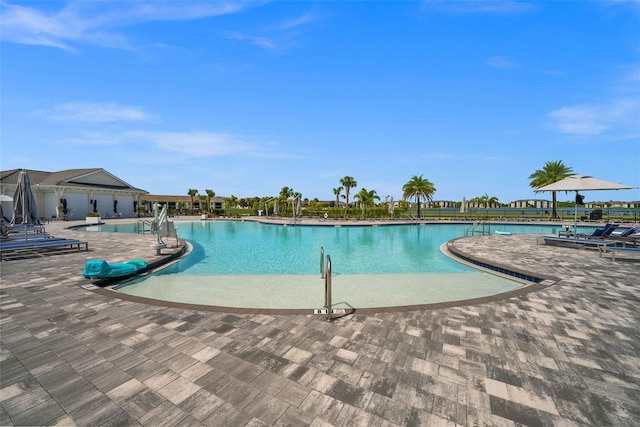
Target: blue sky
x,y
245,98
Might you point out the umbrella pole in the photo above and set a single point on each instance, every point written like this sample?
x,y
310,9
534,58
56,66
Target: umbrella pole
x,y
575,217
24,208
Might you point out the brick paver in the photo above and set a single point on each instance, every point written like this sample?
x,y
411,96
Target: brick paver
x,y
568,354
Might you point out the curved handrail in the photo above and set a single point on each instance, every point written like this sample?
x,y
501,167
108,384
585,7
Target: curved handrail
x,y
327,288
471,230
144,226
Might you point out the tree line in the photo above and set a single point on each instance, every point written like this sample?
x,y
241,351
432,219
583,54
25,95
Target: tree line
x,y
418,188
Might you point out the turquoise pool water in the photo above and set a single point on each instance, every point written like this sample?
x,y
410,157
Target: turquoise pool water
x,y
253,265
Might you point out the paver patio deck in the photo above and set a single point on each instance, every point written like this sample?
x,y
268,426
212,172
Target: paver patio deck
x,y
568,354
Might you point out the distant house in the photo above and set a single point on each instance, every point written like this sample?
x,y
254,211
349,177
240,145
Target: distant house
x,y
612,205
444,204
73,193
175,203
532,203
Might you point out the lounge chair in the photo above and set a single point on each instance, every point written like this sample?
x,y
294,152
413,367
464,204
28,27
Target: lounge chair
x,y
21,236
22,228
628,237
617,249
20,248
600,233
573,241
625,232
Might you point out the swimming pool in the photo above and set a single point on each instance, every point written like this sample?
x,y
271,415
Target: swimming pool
x,y
246,264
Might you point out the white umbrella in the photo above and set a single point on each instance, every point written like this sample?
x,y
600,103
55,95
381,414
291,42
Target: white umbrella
x,y
276,210
463,205
298,207
583,183
579,183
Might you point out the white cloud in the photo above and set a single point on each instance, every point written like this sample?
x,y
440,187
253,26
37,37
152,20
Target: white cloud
x,y
280,36
501,62
578,120
619,116
93,112
262,42
479,6
93,22
194,143
30,26
298,21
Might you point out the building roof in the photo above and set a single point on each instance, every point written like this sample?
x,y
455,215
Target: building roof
x,y
87,178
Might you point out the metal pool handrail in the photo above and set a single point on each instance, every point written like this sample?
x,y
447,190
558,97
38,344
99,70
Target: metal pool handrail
x,y
327,288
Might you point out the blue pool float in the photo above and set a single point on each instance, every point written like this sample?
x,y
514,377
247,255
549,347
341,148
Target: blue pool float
x,y
101,269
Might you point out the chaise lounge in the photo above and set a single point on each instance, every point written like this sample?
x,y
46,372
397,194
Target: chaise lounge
x,y
600,233
23,248
574,241
617,249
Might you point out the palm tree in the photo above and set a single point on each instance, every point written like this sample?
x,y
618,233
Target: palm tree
x,y
285,194
552,171
192,193
486,200
231,202
210,195
418,187
337,192
366,198
348,182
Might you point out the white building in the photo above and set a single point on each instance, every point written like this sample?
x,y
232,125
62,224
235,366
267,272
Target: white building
x,y
73,193
532,203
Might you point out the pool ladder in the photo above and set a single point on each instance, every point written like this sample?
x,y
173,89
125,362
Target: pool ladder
x,y
325,273
145,226
482,228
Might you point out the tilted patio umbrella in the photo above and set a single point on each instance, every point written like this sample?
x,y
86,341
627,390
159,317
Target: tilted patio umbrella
x,y
298,207
579,183
25,211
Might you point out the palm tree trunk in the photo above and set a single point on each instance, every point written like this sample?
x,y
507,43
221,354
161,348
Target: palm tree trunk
x,y
554,206
346,205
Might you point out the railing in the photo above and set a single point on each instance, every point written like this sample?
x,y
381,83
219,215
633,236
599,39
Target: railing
x,y
144,226
163,218
327,289
482,228
328,310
